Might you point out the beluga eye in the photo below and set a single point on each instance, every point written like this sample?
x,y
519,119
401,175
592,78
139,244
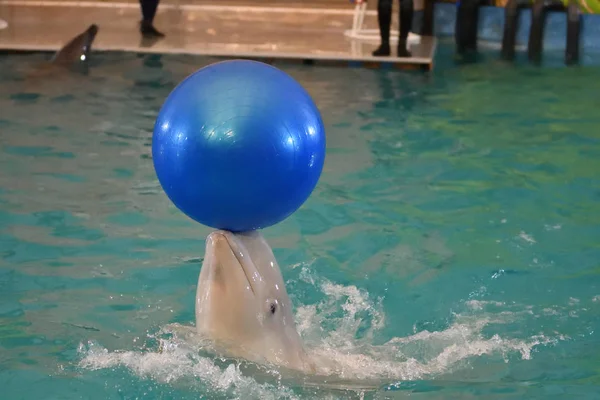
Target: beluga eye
x,y
272,306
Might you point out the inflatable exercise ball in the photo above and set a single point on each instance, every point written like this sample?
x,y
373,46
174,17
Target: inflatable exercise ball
x,y
238,145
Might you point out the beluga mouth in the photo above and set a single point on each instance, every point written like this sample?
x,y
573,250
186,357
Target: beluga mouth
x,y
241,254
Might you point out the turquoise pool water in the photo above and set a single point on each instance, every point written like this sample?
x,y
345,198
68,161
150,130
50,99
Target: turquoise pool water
x,y
450,251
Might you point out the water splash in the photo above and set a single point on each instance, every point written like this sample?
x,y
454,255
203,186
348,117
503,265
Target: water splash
x,y
339,332
177,362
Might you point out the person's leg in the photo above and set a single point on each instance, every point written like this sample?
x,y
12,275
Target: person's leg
x,y
149,8
417,24
418,16
384,16
406,18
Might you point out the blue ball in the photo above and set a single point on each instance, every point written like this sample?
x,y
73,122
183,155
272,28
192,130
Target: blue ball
x,y
238,145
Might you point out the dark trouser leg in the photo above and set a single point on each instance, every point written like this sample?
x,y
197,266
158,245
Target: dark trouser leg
x,y
417,24
384,16
149,8
406,18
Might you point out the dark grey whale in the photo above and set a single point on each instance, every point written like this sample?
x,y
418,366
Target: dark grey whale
x,y
76,53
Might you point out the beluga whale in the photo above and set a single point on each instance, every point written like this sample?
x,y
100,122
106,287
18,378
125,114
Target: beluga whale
x,y
242,304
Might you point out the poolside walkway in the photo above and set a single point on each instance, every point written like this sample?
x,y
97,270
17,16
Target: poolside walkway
x,y
278,30
318,4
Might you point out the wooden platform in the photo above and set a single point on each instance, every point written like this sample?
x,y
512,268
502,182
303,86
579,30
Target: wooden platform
x,y
310,35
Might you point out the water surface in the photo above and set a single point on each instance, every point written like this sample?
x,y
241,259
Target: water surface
x,y
449,251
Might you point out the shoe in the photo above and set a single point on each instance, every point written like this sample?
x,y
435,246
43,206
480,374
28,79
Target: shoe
x,y
403,51
383,50
149,31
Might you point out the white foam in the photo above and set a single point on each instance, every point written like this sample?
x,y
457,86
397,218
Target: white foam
x,y
180,363
481,304
552,227
573,301
339,333
527,237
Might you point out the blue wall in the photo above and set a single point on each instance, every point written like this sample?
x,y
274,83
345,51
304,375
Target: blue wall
x,y
491,26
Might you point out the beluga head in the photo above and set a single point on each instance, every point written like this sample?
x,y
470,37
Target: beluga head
x,y
242,302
